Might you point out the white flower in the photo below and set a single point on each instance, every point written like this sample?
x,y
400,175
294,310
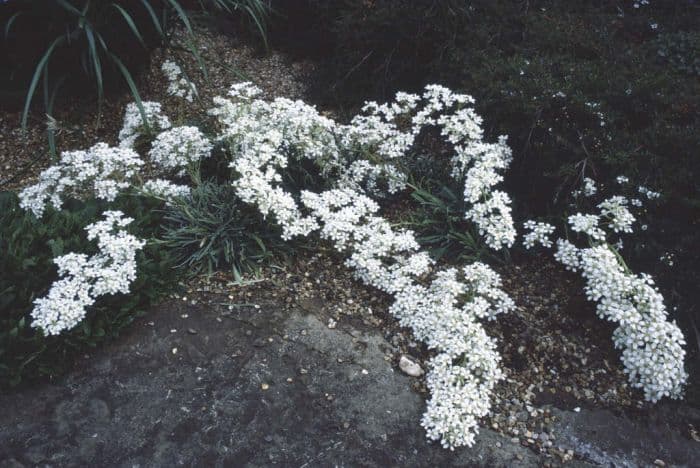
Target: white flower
x,y
567,254
652,347
587,224
614,209
650,194
133,125
178,84
265,136
165,189
539,234
589,187
110,271
179,148
101,171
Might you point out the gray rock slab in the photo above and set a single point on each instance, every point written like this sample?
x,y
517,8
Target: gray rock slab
x,y
601,437
137,403
254,387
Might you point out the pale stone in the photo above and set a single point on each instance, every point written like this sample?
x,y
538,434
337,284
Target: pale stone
x,y
409,367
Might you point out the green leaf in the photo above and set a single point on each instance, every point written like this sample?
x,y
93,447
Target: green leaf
x,y
256,16
71,8
97,65
154,17
8,24
129,20
132,87
40,68
181,13
56,246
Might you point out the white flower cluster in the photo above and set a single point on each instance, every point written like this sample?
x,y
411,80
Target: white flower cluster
x,y
567,254
379,133
587,224
260,134
179,148
110,271
103,170
134,126
178,84
614,209
652,347
164,189
539,234
381,257
263,136
444,314
589,188
650,194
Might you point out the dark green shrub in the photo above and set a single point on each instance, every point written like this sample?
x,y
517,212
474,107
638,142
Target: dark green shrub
x,y
27,249
213,230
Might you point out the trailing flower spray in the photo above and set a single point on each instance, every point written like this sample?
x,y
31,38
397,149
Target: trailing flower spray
x,y
442,308
652,347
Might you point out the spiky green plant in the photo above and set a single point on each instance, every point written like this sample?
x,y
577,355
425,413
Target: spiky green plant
x,y
212,229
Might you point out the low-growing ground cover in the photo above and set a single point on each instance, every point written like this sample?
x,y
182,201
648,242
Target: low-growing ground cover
x,y
361,184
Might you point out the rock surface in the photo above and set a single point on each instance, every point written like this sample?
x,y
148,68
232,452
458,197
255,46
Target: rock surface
x,y
257,387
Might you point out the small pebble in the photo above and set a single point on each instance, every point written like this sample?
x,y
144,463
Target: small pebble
x,y
409,367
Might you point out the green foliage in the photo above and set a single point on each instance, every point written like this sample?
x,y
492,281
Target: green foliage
x,y
439,224
212,229
27,249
